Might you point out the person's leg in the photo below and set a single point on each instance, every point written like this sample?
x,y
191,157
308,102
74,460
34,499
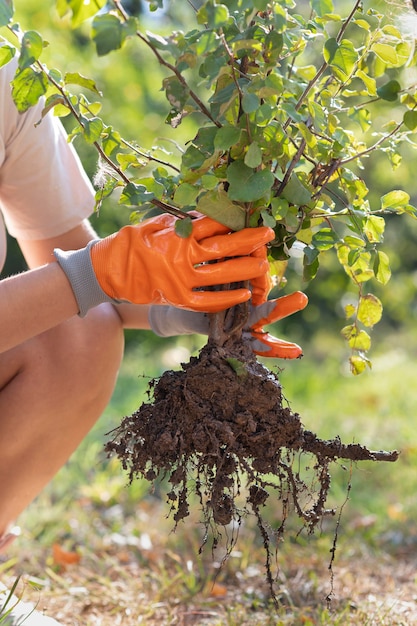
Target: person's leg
x,y
53,388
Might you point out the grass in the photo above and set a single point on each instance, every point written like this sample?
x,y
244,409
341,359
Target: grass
x,y
129,567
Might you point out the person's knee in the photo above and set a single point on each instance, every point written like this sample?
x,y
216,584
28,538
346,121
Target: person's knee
x,y
76,364
91,351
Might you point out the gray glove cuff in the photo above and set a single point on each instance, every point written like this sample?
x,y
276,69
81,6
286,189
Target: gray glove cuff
x,y
167,321
77,266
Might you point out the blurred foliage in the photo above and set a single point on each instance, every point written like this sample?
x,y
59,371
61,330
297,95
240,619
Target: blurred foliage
x,y
135,105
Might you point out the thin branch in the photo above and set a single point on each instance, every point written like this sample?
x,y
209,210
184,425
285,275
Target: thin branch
x,y
170,67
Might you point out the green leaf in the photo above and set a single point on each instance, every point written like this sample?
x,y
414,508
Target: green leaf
x,y
357,339
358,364
31,49
382,268
350,309
369,310
27,87
213,15
295,192
386,53
322,7
268,219
253,157
393,200
209,181
184,227
389,91
374,228
6,54
91,129
74,78
57,102
217,205
250,102
111,140
186,194
247,185
238,366
109,32
81,10
226,137
368,81
325,239
134,195
340,56
410,119
6,12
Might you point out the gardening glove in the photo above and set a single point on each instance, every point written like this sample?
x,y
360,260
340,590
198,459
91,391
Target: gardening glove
x,y
167,321
265,344
151,264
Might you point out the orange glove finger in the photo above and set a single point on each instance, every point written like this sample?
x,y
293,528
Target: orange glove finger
x,y
204,227
239,243
275,310
215,301
264,344
260,285
230,271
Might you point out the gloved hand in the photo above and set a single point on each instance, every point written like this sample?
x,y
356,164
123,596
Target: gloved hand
x,y
269,312
151,264
167,321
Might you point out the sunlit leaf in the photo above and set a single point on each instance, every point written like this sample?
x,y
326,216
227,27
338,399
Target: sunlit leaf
x,y
74,78
358,364
31,49
6,54
369,310
350,309
374,228
386,53
321,7
340,56
394,200
27,87
80,9
382,268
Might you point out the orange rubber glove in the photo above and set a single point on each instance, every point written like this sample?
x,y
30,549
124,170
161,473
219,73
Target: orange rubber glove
x,y
168,321
269,312
151,264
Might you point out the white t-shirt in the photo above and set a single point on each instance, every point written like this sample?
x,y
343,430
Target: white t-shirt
x,y
44,190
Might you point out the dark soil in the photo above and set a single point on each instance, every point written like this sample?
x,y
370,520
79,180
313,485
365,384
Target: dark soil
x,y
221,421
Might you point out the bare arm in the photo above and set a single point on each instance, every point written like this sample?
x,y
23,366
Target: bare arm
x,y
33,302
40,252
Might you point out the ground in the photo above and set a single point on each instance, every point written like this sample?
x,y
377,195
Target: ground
x,y
157,578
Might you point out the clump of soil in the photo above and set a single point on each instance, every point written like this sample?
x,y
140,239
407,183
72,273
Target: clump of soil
x,y
221,420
